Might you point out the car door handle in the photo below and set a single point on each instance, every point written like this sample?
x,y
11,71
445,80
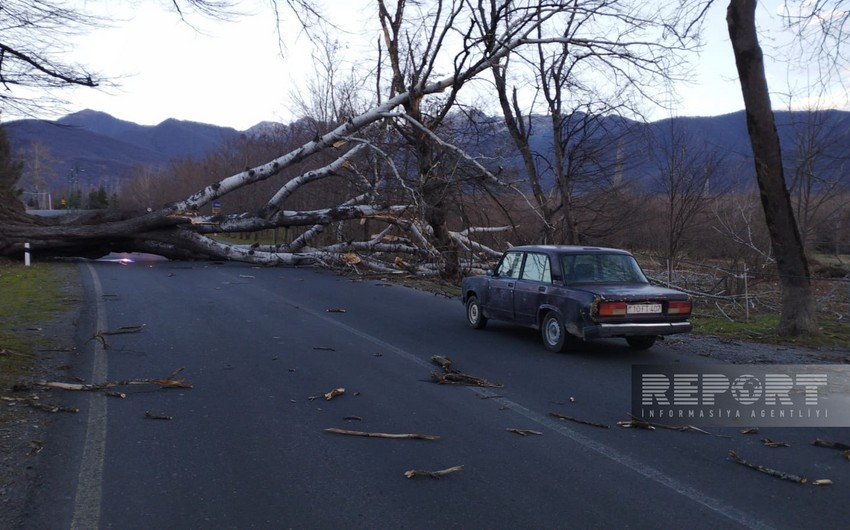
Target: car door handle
x,y
542,289
511,284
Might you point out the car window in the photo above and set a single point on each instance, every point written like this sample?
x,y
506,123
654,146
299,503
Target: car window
x,y
537,268
602,268
509,267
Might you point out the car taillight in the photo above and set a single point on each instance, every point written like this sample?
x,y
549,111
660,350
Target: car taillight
x,y
679,307
612,309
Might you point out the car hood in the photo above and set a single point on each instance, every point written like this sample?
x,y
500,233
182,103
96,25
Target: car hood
x,y
628,291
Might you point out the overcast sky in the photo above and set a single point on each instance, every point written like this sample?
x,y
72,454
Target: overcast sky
x,y
232,73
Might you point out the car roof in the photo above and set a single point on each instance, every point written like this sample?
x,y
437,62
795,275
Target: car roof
x,y
569,249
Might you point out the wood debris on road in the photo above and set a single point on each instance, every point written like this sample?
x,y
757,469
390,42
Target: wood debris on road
x,y
640,423
123,330
636,424
463,379
523,432
578,420
831,445
152,416
409,436
432,474
844,448
766,470
334,393
444,362
767,442
163,382
100,336
454,376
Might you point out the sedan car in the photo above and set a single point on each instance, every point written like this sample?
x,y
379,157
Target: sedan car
x,y
575,293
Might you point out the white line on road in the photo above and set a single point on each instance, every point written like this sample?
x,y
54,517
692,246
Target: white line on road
x,y
90,480
715,505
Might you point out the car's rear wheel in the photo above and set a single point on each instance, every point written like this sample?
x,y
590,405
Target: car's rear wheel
x,y
474,314
555,337
641,343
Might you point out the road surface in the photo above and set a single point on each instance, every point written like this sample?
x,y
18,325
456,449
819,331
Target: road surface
x,y
247,446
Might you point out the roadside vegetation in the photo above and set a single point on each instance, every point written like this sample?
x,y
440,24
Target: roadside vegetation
x,y
30,297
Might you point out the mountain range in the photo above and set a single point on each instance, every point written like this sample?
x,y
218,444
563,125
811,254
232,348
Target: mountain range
x,y
97,149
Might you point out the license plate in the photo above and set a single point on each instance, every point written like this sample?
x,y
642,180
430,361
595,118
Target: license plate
x,y
643,308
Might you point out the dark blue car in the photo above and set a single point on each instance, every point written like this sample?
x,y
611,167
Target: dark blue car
x,y
574,293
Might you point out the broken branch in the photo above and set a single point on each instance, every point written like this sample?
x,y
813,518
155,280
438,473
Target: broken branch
x,y
578,420
123,330
635,423
411,436
766,470
164,382
641,423
831,445
454,376
100,336
523,432
443,362
433,474
457,378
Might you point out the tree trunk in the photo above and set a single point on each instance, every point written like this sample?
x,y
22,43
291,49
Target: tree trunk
x,y
797,316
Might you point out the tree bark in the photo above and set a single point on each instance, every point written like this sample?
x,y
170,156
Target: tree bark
x,y
797,315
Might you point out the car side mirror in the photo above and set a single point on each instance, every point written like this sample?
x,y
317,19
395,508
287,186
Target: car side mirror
x,y
491,272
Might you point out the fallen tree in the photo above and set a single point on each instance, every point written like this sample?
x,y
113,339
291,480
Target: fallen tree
x,y
400,169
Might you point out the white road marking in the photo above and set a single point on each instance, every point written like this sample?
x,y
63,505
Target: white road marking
x,y
715,505
90,480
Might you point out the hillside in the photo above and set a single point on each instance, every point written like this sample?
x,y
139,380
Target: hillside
x,y
102,150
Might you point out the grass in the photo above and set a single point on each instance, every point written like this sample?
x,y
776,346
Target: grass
x,y
29,297
761,327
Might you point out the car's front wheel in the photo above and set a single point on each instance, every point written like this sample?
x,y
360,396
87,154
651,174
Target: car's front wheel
x,y
474,314
554,335
641,343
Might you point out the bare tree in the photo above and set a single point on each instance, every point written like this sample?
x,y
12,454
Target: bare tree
x,y
32,35
797,316
410,182
38,170
817,152
684,177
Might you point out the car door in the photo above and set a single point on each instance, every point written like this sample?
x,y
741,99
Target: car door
x,y
531,287
501,292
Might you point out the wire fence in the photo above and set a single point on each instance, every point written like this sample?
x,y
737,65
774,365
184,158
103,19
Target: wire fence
x,y
738,292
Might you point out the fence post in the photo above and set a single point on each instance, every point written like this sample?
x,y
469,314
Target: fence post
x,y
26,254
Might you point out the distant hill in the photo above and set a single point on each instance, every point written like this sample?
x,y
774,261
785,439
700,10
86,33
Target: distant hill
x,y
640,145
106,149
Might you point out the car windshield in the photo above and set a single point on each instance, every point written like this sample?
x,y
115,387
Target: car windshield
x,y
601,268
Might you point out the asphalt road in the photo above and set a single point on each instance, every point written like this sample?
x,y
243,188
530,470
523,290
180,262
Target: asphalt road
x,y
246,446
